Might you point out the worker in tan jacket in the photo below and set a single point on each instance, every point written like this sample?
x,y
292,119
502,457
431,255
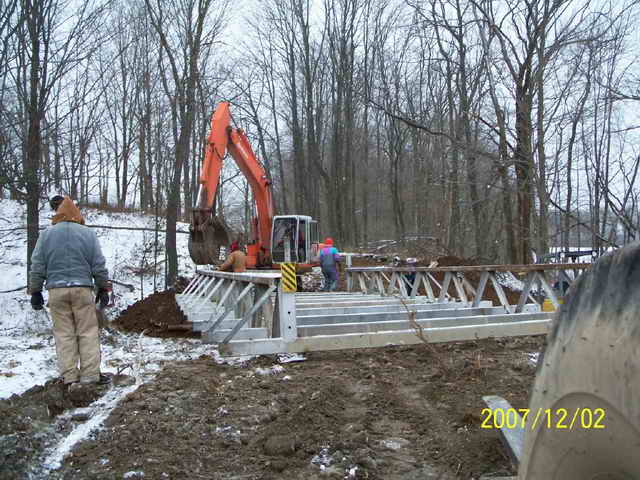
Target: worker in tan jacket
x,y
236,261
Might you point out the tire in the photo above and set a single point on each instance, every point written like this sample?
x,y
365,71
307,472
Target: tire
x,y
592,362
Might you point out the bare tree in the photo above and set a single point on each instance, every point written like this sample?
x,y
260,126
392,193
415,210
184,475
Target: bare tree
x,y
46,49
186,31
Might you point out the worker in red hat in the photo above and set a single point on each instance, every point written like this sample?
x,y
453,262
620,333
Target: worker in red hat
x,y
329,258
236,261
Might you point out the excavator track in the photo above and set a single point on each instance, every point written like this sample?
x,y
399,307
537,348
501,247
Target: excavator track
x,y
587,389
205,240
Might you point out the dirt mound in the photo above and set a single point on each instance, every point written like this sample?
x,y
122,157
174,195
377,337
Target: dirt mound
x,y
157,315
449,261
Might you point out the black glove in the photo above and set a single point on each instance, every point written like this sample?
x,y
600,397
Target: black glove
x,y
102,297
37,302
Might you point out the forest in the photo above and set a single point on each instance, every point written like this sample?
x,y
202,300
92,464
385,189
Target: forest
x,y
499,128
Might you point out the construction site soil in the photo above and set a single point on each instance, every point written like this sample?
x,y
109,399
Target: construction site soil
x,y
390,413
157,315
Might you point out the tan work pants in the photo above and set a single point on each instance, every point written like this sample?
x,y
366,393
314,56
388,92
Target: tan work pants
x,y
75,329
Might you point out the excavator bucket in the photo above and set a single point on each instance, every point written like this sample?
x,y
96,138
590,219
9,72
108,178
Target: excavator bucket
x,y
206,236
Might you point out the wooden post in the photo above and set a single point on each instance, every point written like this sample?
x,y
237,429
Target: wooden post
x,y
348,274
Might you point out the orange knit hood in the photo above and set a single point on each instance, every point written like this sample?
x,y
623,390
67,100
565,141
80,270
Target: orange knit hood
x,y
67,212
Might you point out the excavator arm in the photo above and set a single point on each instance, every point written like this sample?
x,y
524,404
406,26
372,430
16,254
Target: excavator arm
x,y
208,232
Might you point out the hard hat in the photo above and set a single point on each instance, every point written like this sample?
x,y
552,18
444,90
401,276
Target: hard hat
x,y
328,241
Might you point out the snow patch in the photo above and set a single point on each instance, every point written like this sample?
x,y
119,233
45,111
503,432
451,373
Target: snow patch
x,y
394,443
508,279
133,474
27,351
291,357
102,409
274,370
322,459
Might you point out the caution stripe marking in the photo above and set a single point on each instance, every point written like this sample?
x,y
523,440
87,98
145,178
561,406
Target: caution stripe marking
x,y
289,283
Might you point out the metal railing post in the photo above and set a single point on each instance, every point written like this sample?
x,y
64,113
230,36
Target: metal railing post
x,y
287,314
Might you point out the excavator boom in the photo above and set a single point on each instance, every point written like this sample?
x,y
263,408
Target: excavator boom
x,y
208,232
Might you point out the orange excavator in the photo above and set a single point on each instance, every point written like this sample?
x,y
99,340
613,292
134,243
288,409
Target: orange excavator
x,y
273,239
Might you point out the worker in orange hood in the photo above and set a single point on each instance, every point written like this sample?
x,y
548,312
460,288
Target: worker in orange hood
x,y
67,256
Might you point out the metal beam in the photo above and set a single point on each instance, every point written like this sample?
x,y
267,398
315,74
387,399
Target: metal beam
x,y
383,339
329,297
264,278
195,300
444,289
218,336
249,314
512,436
395,325
482,284
479,268
400,315
375,308
209,295
501,295
198,291
191,284
230,308
356,303
528,283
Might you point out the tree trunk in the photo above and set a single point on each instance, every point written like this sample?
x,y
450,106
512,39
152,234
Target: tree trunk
x,y
524,168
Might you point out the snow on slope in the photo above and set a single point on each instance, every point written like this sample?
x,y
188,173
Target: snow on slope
x,y
27,350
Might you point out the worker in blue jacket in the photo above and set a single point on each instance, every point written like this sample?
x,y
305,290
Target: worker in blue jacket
x,y
329,258
68,261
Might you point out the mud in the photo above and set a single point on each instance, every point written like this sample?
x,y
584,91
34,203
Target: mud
x,y
392,413
157,315
30,422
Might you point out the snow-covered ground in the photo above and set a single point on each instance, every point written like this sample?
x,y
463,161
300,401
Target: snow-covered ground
x,y
27,350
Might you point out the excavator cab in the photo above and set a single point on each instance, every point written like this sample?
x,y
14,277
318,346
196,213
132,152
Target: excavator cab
x,y
294,239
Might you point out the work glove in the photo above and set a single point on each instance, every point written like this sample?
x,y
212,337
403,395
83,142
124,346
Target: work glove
x,y
102,297
37,302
